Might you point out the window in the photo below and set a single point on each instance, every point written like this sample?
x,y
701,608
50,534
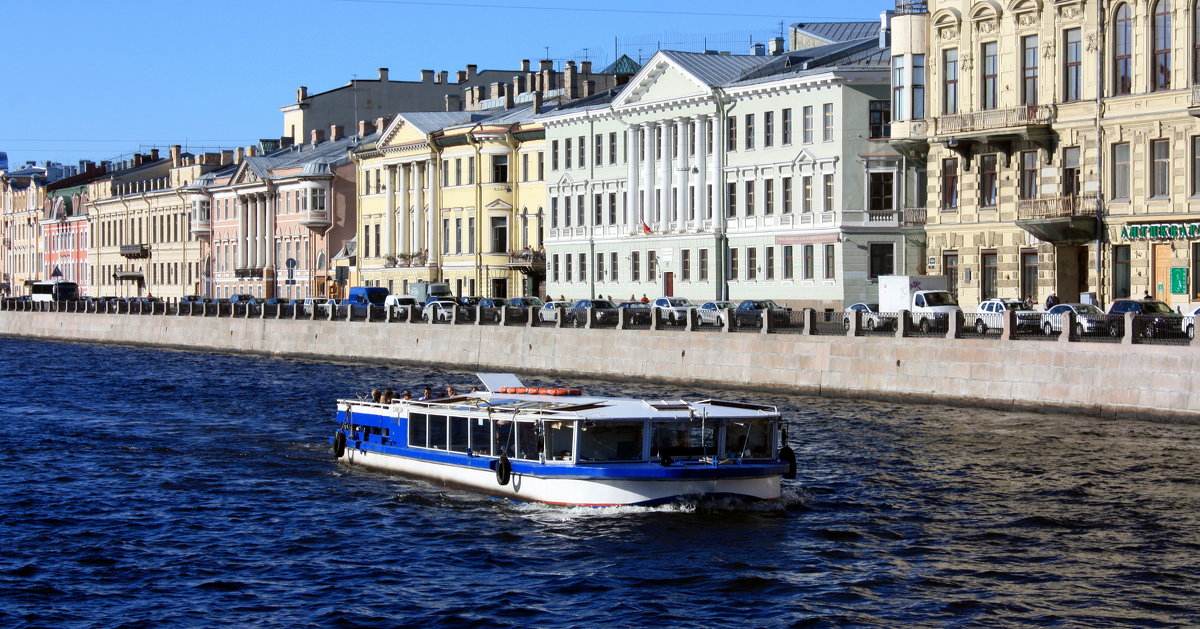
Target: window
x,y
1196,46
1122,51
1120,171
554,213
1195,165
499,234
458,171
768,197
950,270
1160,70
991,76
768,129
770,262
988,275
599,160
541,174
685,264
652,265
703,261
613,265
582,151
471,169
599,267
786,121
733,263
470,234
807,125
731,199
525,167
445,234
987,180
881,256
807,270
731,133
950,82
950,184
897,88
612,150
566,154
567,275
806,190
788,262
1070,183
829,206
458,235
583,267
880,186
1072,64
635,266
1029,70
612,208
597,209
567,212
918,87
1121,285
752,263
750,198
579,205
499,168
830,268
879,119
1029,175
1160,169
827,122
786,193
1029,273
749,131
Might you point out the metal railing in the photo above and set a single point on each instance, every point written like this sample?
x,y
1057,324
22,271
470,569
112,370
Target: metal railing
x,y
912,7
996,119
1058,207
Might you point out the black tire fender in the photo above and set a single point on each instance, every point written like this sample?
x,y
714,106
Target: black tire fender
x,y
339,444
503,470
788,455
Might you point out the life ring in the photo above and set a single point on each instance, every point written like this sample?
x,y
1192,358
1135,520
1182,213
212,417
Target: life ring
x,y
574,392
503,470
787,455
339,444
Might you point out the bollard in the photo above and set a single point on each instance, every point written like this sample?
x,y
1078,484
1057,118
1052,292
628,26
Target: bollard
x,y
1127,338
656,319
855,327
587,324
903,324
1010,325
1068,334
810,321
955,328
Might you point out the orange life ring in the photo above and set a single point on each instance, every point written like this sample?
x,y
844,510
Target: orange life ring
x,y
574,392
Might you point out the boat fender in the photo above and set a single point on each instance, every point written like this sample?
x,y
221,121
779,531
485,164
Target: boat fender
x,y
666,460
339,444
503,470
787,455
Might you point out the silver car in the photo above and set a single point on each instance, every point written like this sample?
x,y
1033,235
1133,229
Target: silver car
x,y
674,309
713,312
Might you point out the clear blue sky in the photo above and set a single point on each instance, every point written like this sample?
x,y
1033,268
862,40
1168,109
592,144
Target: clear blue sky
x,y
94,80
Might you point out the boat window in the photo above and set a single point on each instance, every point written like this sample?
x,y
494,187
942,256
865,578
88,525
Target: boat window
x,y
481,435
458,434
418,430
504,434
527,441
693,439
559,438
437,432
749,438
611,441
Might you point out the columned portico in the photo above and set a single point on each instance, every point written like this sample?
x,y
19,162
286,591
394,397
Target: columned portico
x,y
681,191
389,212
701,193
649,206
666,192
405,218
634,206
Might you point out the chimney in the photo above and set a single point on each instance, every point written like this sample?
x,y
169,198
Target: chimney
x,y
758,50
518,84
318,136
545,64
251,151
286,141
301,94
508,98
443,77
380,123
154,155
569,79
237,155
383,74
462,76
585,67
775,46
175,163
537,102
138,159
426,76
453,102
365,128
497,91
472,69
525,66
226,158
589,88
336,132
885,29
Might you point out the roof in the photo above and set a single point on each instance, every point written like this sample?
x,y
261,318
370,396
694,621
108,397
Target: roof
x,y
623,65
838,31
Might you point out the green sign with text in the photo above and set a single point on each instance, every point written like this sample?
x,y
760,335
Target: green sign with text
x,y
1161,231
1178,280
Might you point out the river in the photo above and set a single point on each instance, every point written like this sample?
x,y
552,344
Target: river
x,y
143,487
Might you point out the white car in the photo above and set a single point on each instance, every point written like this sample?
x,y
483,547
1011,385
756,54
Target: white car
x,y
674,309
441,311
871,318
1088,319
991,315
319,304
1189,321
713,312
549,310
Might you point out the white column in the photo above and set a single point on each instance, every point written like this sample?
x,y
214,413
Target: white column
x,y
702,205
681,192
404,219
668,168
260,213
716,207
243,236
648,182
272,263
389,211
418,206
431,218
632,207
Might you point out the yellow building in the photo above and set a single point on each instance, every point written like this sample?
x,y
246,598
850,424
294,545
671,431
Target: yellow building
x,y
22,208
1061,145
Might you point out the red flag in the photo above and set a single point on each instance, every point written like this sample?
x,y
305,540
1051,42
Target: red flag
x,y
646,228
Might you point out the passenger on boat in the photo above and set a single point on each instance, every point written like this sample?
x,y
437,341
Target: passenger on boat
x,y
426,394
406,395
376,394
450,392
389,394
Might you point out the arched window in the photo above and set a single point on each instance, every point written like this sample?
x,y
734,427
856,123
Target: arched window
x,y
1160,69
1122,51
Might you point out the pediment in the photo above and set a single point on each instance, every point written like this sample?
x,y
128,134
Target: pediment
x,y
803,157
661,79
400,132
245,175
566,180
498,204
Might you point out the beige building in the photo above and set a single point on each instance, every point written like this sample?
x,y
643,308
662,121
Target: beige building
x,y
1055,143
22,208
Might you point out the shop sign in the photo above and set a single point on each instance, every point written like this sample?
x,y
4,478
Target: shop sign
x,y
1161,231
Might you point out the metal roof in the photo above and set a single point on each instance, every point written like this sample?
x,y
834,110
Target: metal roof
x,y
838,31
624,65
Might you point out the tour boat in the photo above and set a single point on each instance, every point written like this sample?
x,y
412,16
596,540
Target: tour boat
x,y
560,446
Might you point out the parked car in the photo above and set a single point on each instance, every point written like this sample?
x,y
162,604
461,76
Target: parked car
x,y
276,301
872,319
713,312
439,311
576,315
991,315
468,302
191,299
1160,320
549,310
674,309
1088,319
395,303
241,298
639,313
1189,321
319,305
752,312
525,302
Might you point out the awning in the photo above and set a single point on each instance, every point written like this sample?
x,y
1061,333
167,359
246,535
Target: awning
x,y
128,275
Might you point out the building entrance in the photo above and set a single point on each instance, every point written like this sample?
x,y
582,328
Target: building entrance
x,y
1161,288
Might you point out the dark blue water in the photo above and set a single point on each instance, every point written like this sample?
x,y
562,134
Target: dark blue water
x,y
155,488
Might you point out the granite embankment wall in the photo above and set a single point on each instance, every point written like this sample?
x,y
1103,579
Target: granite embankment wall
x,y
1127,381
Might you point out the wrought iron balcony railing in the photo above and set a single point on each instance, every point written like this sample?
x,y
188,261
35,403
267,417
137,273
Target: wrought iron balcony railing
x,y
992,119
1058,207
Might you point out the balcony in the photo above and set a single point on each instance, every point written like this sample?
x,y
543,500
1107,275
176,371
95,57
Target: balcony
x,y
1194,104
1061,220
527,262
135,251
316,219
201,226
912,217
998,128
248,273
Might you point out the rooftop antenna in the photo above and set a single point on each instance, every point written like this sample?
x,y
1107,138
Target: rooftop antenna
x,y
354,90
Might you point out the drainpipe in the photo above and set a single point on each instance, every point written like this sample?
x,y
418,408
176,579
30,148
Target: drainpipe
x,y
591,193
719,226
1100,151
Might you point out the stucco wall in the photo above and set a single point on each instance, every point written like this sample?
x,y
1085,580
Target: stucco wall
x,y
1120,381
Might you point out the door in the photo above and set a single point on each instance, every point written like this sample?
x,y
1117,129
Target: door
x,y
668,284
1162,273
499,288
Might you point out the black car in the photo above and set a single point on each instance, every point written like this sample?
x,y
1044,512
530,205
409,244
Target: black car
x,y
639,313
1156,319
603,309
750,313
